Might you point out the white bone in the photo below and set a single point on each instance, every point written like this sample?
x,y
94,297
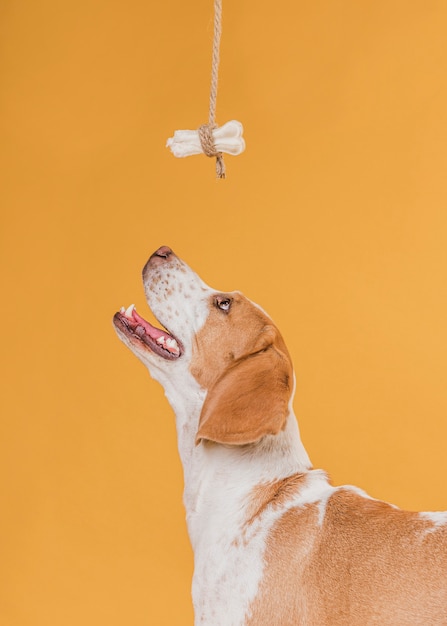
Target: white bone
x,y
227,138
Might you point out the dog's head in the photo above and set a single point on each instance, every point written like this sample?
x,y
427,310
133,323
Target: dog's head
x,y
228,344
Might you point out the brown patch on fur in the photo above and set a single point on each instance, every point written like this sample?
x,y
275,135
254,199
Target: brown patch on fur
x,y
273,494
228,337
241,358
367,564
281,596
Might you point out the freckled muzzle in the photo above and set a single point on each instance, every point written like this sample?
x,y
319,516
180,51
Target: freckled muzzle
x,y
157,259
138,330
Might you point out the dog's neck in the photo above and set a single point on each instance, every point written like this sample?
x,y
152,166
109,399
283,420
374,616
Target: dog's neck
x,y
280,455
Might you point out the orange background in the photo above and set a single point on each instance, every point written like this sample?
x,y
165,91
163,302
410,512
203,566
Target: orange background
x,y
334,220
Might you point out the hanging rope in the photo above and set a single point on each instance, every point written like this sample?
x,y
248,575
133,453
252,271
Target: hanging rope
x,y
209,138
206,130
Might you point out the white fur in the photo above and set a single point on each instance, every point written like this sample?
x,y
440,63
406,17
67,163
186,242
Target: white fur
x,y
438,518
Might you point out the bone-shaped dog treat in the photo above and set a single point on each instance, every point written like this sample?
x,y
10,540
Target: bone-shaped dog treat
x,y
227,138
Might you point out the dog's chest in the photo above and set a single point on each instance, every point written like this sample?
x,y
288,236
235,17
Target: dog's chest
x,y
229,545
228,569
228,553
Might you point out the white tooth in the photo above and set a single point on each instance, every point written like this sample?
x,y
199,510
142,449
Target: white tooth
x,y
129,311
172,346
122,310
160,339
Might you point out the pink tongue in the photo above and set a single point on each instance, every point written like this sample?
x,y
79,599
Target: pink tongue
x,y
153,332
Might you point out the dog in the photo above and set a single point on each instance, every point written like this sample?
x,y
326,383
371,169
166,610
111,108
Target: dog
x,y
275,544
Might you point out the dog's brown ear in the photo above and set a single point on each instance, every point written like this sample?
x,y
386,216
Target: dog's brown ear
x,y
250,400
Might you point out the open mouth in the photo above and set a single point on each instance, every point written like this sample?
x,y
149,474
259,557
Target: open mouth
x,y
159,341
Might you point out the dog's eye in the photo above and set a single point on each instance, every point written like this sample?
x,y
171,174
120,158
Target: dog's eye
x,y
223,303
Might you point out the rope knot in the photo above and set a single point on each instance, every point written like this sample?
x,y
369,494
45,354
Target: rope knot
x,y
205,132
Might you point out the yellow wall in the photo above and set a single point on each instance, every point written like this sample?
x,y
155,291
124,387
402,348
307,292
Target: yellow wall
x,y
334,220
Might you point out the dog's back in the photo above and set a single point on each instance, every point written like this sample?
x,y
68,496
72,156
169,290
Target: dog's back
x,y
354,561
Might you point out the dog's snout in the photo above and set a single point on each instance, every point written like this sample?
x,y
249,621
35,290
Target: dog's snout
x,y
160,256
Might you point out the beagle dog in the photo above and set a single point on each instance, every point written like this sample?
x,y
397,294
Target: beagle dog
x,y
275,544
